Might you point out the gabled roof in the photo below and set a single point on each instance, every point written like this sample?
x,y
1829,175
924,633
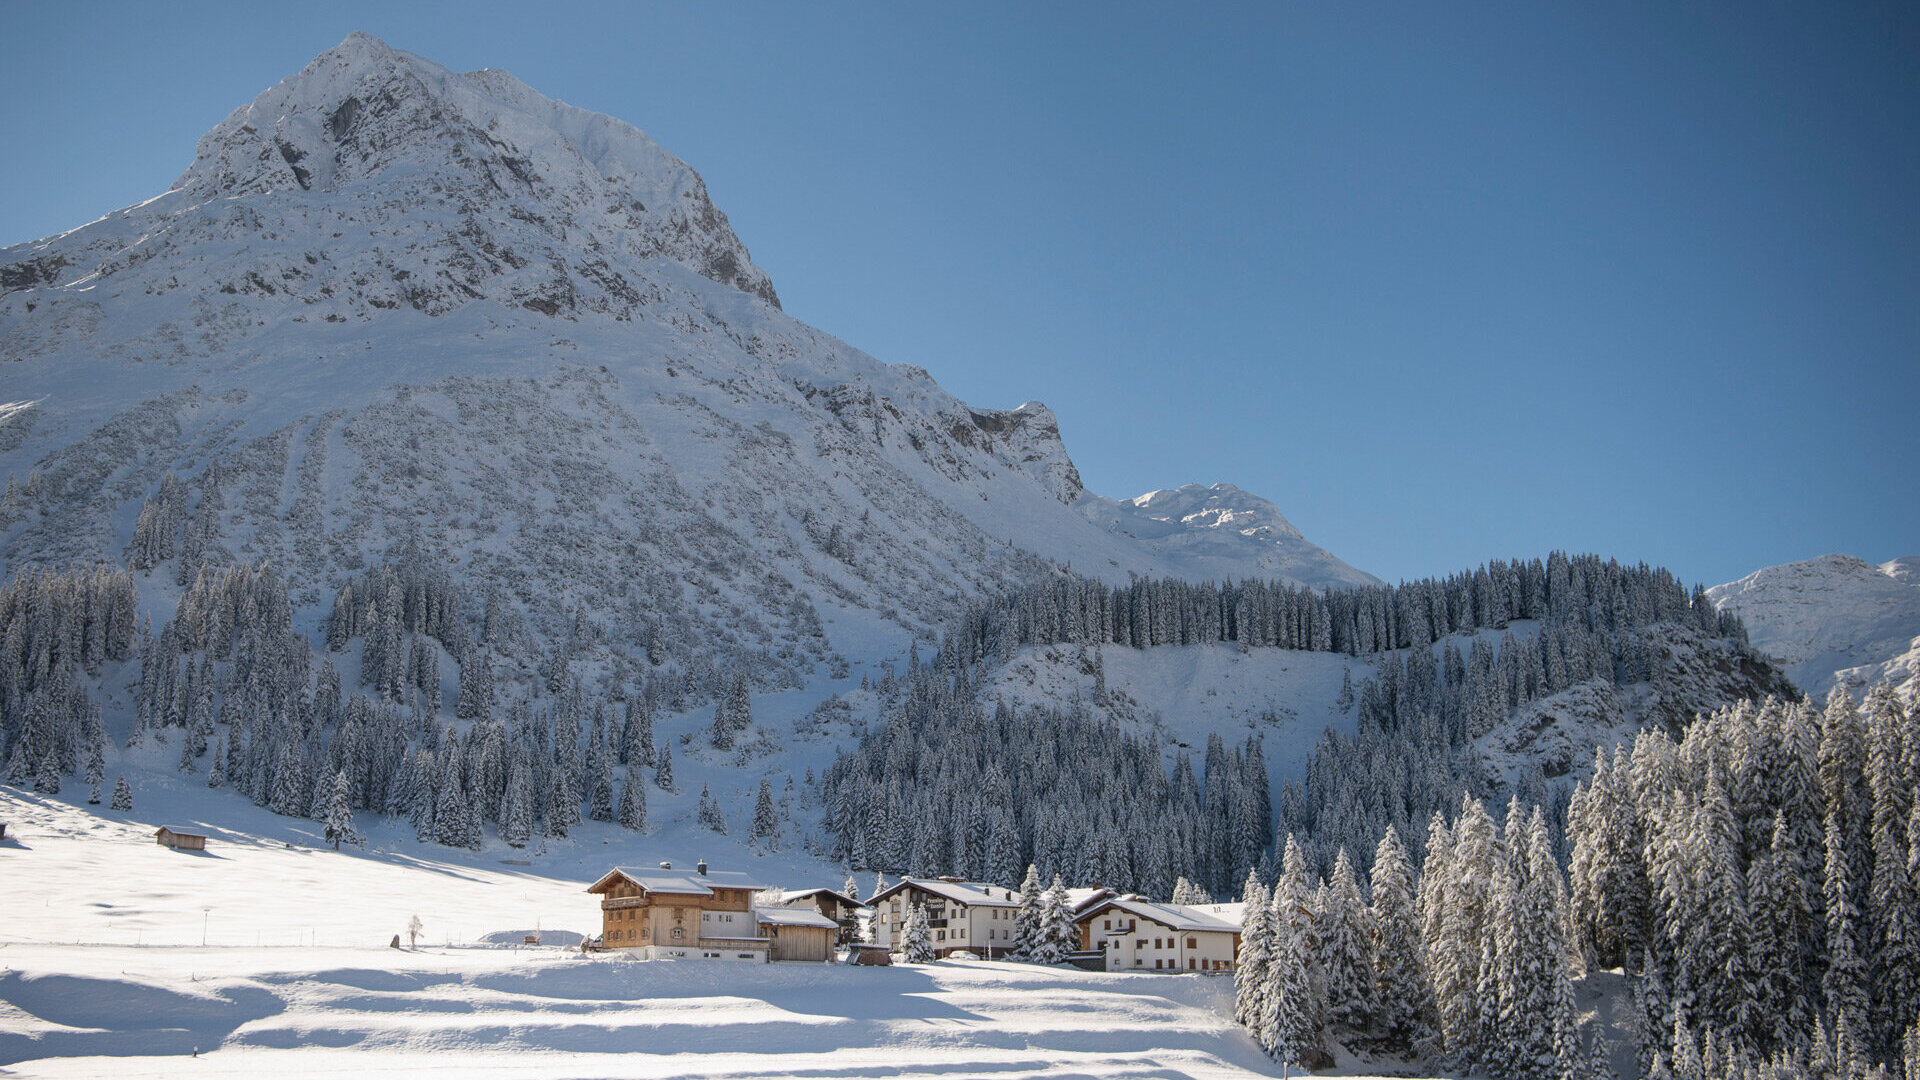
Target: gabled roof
x,y
780,916
808,894
973,893
1215,918
681,882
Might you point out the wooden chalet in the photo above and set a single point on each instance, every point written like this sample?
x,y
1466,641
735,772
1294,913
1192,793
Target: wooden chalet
x,y
179,841
667,914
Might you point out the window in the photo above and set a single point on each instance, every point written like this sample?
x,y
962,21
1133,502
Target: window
x,y
1106,924
678,933
1192,944
1141,944
940,935
1192,963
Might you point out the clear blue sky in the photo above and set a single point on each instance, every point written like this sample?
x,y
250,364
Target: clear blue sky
x,y
1444,281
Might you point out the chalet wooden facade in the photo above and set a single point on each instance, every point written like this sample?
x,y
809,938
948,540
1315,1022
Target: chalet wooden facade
x,y
664,914
179,841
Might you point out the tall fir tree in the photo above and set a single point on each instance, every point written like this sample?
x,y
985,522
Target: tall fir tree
x,y
1027,919
633,801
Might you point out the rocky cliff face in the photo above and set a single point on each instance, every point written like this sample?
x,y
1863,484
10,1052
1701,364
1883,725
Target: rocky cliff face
x,y
394,306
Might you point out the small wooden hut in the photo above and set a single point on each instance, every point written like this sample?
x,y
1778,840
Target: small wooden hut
x,y
179,841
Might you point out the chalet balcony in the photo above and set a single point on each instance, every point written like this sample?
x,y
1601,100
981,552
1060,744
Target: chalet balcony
x,y
623,902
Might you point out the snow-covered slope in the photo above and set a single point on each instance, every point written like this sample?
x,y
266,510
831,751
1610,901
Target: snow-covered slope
x,y
388,300
1834,620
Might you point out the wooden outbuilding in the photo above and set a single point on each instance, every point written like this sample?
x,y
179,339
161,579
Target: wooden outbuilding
x,y
869,955
797,934
179,841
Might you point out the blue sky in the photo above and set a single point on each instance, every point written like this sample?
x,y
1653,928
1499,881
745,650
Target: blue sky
x,y
1446,282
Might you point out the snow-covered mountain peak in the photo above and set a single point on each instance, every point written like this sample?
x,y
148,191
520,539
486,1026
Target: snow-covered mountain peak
x,y
1832,619
1216,526
1219,506
380,179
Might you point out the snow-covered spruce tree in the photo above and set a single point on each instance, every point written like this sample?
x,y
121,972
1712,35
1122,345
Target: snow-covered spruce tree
x,y
1533,1028
122,795
600,795
516,806
916,941
636,734
1403,1004
46,779
1844,981
1186,892
766,818
1346,950
1027,919
633,802
1251,963
1294,1006
1608,886
476,685
1893,900
1058,936
1781,936
720,733
1456,887
709,815
739,700
339,820
1285,1025
663,770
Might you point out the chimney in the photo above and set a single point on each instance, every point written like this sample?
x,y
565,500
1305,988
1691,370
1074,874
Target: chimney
x,y
700,868
950,879
666,866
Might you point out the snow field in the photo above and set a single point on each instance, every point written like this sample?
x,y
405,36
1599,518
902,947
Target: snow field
x,y
108,965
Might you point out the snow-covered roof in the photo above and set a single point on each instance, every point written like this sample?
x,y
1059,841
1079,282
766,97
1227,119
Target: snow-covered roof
x,y
808,894
1079,898
683,882
1216,918
780,916
975,893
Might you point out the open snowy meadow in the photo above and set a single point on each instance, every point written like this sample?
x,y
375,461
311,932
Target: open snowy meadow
x,y
103,972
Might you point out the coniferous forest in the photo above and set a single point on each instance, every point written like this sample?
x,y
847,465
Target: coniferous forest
x,y
1752,873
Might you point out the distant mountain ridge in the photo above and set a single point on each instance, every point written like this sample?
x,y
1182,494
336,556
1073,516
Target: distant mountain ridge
x,y
390,305
1834,620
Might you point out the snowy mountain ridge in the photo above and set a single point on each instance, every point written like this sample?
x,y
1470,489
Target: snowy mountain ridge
x,y
1833,620
390,303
